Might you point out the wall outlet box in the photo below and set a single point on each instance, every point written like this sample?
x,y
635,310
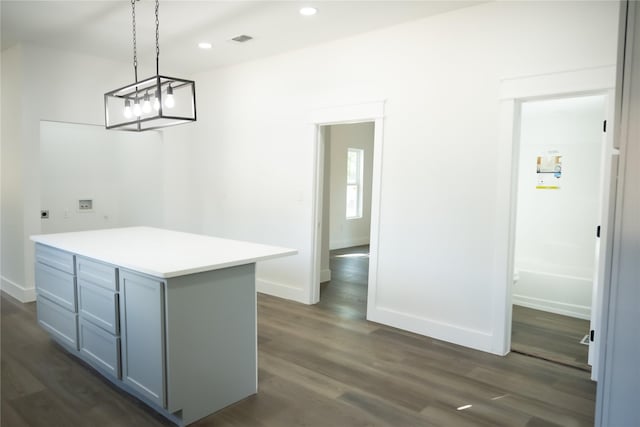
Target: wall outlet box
x,y
85,205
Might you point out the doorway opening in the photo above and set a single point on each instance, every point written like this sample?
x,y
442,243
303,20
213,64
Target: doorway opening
x,y
560,163
346,216
370,115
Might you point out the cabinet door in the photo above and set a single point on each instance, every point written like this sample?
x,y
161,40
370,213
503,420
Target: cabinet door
x,y
142,335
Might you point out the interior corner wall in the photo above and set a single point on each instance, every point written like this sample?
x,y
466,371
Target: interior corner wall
x,y
11,233
77,162
437,273
119,171
345,232
49,85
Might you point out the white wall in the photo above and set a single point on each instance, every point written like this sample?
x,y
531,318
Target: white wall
x,y
12,265
440,78
555,232
51,85
120,171
140,172
345,233
183,195
249,160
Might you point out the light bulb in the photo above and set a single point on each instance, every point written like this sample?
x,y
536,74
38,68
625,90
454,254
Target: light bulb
x,y
156,102
137,110
127,109
146,104
169,102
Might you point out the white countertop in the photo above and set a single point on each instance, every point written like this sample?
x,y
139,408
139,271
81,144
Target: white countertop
x,y
161,253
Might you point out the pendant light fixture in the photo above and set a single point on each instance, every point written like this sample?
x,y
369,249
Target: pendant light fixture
x,y
152,103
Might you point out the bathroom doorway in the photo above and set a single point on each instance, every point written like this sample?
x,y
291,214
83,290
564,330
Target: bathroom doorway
x,y
559,204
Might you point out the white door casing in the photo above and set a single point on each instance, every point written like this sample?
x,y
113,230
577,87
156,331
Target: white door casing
x,y
354,113
513,92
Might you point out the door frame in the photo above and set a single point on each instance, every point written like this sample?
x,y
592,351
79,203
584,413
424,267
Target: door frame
x,y
513,92
346,114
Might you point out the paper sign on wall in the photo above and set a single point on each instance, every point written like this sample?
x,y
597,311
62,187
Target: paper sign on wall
x,y
549,171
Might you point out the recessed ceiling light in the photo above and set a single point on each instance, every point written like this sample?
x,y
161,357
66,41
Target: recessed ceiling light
x,y
308,11
204,45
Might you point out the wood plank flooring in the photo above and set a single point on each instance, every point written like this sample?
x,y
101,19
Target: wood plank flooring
x,y
550,336
346,293
321,365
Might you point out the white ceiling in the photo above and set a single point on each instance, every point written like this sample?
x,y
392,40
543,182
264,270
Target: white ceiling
x,y
103,28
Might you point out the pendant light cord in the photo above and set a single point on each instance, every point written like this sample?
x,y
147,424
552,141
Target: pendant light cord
x,y
135,51
157,38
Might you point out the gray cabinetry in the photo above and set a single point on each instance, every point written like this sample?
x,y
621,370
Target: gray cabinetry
x,y
99,348
56,294
184,344
143,339
98,305
98,273
61,323
98,311
56,285
60,260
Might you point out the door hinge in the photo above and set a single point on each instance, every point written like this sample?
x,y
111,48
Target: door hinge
x,y
598,232
604,126
592,335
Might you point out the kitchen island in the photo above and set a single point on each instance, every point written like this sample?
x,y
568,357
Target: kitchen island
x,y
169,317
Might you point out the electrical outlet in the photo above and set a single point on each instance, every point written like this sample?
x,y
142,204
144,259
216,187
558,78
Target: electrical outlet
x,y
44,214
85,205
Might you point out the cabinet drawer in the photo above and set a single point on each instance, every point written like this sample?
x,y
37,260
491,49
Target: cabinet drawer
x,y
55,258
97,273
98,305
60,323
99,348
56,285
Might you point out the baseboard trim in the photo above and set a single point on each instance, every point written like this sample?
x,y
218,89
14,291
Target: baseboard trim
x,y
281,290
465,337
18,292
571,310
325,275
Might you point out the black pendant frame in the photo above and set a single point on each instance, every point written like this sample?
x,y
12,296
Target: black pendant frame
x,y
184,111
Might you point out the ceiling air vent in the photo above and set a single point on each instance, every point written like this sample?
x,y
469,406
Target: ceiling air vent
x,y
242,38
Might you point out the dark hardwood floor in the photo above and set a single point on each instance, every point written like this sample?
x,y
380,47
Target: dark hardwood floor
x,y
321,365
346,293
550,336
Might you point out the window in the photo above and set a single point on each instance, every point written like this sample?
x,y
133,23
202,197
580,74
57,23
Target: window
x,y
355,161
